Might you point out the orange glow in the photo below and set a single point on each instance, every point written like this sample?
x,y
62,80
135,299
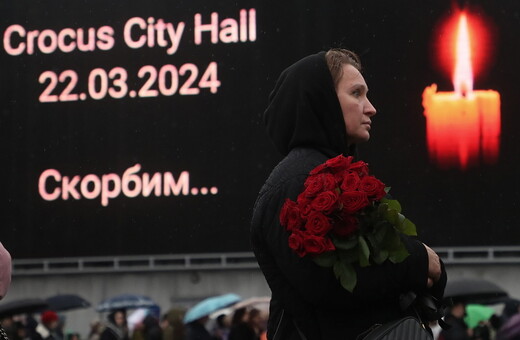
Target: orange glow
x,y
480,37
463,127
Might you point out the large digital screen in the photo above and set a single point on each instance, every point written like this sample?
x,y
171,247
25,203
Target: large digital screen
x,y
134,127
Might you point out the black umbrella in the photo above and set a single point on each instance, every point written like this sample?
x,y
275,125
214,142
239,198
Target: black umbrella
x,y
22,306
474,291
64,302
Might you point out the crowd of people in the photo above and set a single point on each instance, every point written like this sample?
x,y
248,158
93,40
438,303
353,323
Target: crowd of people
x,y
505,326
240,324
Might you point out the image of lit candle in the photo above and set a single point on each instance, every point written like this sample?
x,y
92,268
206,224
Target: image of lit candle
x,y
463,126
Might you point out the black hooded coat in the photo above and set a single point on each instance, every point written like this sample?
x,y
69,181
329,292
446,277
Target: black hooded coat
x,y
305,122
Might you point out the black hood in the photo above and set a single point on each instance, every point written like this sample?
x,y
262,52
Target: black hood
x,y
304,109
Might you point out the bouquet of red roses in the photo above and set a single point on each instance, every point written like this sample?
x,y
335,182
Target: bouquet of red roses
x,y
342,218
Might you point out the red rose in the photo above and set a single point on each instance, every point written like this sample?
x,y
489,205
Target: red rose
x,y
296,243
374,188
304,204
318,224
315,245
318,183
350,182
319,169
353,201
290,216
346,226
325,202
360,167
338,163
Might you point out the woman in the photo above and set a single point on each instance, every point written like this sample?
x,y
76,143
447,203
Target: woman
x,y
318,110
116,328
5,271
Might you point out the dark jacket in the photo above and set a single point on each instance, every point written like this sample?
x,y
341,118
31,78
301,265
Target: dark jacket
x,y
242,331
152,329
458,329
197,331
112,332
305,122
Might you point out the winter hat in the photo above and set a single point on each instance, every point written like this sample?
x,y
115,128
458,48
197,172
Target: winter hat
x,y
49,316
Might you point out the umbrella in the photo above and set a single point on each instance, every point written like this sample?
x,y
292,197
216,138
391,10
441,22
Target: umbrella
x,y
477,313
125,301
474,291
140,314
64,302
260,303
254,302
209,305
22,306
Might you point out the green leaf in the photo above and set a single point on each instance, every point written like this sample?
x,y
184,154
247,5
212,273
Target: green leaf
x,y
382,208
399,255
391,216
394,204
381,231
392,240
364,252
326,259
345,244
408,228
387,189
372,240
380,256
401,219
346,274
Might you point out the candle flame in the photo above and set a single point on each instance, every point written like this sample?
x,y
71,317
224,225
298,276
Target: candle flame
x,y
463,73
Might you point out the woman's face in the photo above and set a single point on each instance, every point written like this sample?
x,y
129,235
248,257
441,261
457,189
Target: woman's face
x,y
119,319
357,109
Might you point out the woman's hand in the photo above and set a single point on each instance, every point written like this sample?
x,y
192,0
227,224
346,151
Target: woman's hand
x,y
434,266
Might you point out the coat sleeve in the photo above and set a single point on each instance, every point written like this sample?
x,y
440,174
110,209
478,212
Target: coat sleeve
x,y
317,285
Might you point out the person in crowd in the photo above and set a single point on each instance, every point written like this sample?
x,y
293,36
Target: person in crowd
x,y
8,326
319,109
30,326
60,333
510,329
5,271
172,324
47,329
116,328
511,307
482,331
222,327
239,317
20,331
151,330
250,329
455,318
196,330
96,328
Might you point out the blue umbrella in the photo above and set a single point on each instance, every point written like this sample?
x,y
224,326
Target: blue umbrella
x,y
125,301
210,305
